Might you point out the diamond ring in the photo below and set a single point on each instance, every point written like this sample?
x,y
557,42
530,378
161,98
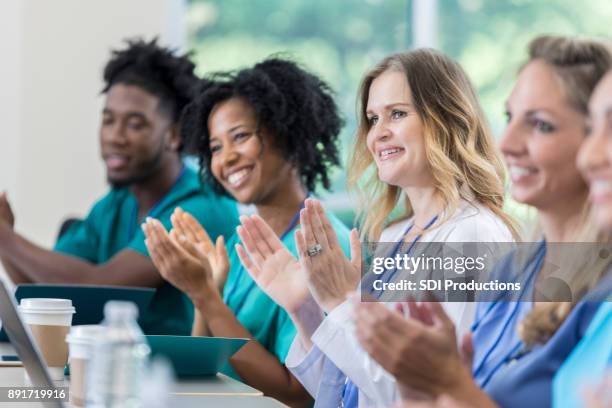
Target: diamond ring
x,y
314,250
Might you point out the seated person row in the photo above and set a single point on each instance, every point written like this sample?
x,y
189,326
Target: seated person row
x,y
312,219
560,217
517,347
443,170
146,88
266,136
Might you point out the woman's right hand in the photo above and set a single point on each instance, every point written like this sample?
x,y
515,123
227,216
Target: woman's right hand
x,y
177,265
200,245
271,265
420,352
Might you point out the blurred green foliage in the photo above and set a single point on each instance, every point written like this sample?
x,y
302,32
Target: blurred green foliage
x,y
341,39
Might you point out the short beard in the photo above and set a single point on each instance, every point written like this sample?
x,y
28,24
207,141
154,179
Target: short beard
x,y
149,169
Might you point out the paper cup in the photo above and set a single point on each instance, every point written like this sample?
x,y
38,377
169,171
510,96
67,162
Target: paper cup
x,y
80,341
49,321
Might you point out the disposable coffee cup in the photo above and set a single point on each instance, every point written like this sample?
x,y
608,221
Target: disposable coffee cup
x,y
49,321
81,340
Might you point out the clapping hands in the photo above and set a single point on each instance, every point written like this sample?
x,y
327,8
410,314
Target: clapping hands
x,y
325,274
270,264
330,275
186,257
420,351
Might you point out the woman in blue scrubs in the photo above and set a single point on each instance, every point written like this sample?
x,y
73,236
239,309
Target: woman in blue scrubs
x,y
546,124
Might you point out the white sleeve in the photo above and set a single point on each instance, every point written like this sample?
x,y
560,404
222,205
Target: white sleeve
x,y
306,365
336,338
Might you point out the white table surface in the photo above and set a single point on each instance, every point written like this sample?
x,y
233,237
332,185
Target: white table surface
x,y
213,391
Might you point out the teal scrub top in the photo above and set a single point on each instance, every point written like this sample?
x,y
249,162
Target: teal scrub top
x,y
256,311
112,226
588,364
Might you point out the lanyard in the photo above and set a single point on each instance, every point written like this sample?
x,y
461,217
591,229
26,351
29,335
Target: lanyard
x,y
533,267
151,213
396,250
229,294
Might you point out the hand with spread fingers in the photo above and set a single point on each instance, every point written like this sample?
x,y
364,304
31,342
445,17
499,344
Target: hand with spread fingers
x,y
181,267
275,270
420,351
199,245
329,274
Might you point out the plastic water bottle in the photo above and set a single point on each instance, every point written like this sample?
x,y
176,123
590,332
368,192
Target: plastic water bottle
x,y
114,377
158,384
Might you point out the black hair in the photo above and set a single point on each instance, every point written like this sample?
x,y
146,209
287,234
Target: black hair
x,y
294,106
157,70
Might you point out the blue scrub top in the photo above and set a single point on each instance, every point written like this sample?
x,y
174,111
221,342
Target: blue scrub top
x,y
509,373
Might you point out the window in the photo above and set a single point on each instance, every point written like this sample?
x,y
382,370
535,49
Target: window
x,y
341,39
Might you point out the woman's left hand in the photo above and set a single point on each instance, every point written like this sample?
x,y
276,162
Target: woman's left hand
x,y
177,265
421,351
330,275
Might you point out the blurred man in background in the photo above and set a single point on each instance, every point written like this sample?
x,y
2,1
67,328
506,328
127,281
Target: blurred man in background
x,y
146,89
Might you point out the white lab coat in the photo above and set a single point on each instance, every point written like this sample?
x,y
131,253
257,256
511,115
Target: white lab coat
x,y
336,352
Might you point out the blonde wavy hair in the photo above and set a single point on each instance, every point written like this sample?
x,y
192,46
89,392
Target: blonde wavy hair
x,y
578,64
459,146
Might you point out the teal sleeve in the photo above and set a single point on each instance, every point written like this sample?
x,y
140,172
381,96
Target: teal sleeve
x,y
81,239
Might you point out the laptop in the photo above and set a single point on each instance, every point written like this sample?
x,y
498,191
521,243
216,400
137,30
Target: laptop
x,y
21,339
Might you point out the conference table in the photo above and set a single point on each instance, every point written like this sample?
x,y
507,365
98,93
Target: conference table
x,y
201,392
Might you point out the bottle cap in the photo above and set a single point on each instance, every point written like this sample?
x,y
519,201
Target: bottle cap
x,y
120,310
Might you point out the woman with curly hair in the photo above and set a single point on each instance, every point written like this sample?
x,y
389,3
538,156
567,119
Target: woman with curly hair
x,y
266,136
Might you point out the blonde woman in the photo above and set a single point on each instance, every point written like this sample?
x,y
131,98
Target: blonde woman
x,y
423,136
517,345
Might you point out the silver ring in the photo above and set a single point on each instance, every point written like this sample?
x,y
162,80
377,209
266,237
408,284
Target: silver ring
x,y
314,250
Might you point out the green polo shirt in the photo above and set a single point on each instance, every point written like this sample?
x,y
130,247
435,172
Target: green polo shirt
x,y
112,226
256,311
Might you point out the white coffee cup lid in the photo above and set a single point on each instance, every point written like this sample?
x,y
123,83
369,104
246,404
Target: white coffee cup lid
x,y
86,333
46,305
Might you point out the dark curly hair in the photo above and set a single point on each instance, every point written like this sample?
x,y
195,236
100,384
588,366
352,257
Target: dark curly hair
x,y
295,107
157,70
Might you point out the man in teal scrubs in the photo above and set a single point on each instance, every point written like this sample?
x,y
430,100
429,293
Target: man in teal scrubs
x,y
146,88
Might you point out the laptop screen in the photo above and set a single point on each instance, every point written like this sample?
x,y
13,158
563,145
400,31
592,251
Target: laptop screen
x,y
21,340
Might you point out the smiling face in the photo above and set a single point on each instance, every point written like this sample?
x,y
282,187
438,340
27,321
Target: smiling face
x,y
135,137
542,138
395,137
244,159
595,157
